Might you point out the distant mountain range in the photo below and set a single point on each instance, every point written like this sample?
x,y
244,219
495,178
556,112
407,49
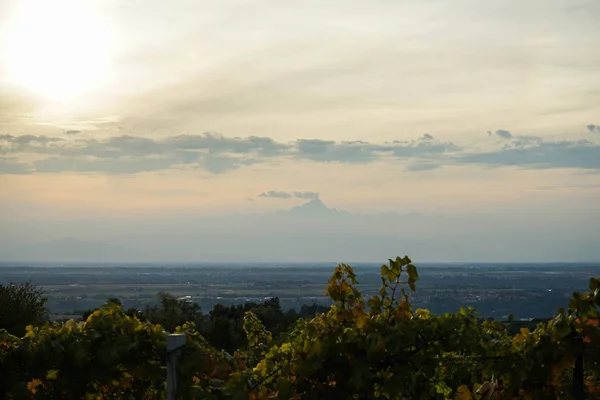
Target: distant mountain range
x,y
313,208
315,232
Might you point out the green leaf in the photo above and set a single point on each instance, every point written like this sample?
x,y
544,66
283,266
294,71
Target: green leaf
x,y
412,272
52,374
411,285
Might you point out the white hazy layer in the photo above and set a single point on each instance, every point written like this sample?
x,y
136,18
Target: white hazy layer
x,y
313,232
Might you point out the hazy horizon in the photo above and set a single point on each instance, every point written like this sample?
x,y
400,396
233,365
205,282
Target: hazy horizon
x,y
140,129
312,232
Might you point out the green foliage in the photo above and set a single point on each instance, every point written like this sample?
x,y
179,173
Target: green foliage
x,y
224,325
385,349
376,348
21,305
171,312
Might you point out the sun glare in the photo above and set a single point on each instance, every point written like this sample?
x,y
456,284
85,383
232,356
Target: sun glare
x,y
58,50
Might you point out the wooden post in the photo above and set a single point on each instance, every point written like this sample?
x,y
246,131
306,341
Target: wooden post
x,y
174,344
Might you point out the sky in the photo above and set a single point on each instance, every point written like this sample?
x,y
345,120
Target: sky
x,y
133,110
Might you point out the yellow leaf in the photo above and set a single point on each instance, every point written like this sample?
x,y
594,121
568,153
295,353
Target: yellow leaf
x,y
52,374
32,385
286,347
30,332
70,325
361,319
463,393
519,338
261,367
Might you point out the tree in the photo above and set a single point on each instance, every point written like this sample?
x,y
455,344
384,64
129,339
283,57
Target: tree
x,y
114,300
21,305
171,312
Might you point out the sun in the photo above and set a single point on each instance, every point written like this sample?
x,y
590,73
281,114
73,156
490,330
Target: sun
x,y
58,50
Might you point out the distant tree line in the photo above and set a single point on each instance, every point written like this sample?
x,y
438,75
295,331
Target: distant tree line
x,y
25,304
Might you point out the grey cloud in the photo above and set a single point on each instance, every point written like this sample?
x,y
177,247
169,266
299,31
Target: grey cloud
x,y
593,128
132,154
215,152
222,164
26,143
306,195
116,147
275,194
218,143
118,166
137,164
543,155
127,145
218,154
363,152
10,166
522,141
504,134
330,151
423,149
285,195
72,132
423,166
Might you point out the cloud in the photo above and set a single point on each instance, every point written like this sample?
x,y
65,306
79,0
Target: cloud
x,y
11,166
504,134
27,143
222,164
72,132
117,166
330,151
217,143
423,166
593,128
359,152
542,155
275,195
218,154
306,195
423,149
128,154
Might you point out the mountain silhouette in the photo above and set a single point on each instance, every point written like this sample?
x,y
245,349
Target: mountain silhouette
x,y
308,232
315,206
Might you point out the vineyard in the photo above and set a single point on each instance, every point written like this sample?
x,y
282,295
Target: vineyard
x,y
375,348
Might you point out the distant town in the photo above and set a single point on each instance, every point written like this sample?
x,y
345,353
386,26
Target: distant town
x,y
522,291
